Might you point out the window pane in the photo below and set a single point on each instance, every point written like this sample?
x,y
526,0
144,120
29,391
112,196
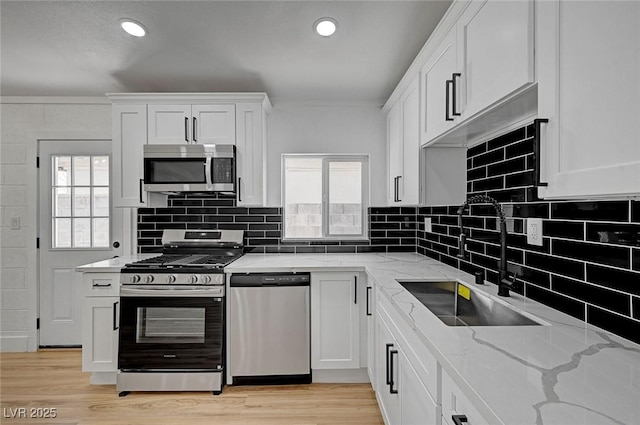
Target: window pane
x,y
61,170
101,202
303,197
81,171
100,232
82,233
101,171
82,202
345,198
62,202
62,233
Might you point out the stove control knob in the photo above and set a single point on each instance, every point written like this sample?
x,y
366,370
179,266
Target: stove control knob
x,y
148,279
171,278
206,279
135,278
193,278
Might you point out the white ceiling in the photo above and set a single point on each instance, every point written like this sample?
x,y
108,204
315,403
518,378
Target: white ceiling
x,y
76,48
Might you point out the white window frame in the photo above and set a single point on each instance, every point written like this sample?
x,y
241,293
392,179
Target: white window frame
x,y
326,159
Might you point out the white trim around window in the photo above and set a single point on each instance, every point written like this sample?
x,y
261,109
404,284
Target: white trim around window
x,y
325,197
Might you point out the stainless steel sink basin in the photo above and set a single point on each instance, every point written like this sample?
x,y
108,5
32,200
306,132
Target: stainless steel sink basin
x,y
457,305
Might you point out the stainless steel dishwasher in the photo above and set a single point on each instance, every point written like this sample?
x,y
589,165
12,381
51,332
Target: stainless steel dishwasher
x,y
270,330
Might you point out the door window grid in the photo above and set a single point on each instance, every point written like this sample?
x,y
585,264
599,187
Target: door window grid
x,y
325,196
80,201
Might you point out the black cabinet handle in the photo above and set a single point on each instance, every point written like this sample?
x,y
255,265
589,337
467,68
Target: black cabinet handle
x,y
355,289
395,189
453,94
186,129
447,90
536,152
392,384
239,189
140,191
115,312
387,368
398,184
195,140
459,419
368,292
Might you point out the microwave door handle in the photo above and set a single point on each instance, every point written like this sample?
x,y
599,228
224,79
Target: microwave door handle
x,y
208,171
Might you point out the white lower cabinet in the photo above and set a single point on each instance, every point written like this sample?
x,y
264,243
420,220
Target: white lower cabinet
x,y
456,404
100,323
403,396
336,305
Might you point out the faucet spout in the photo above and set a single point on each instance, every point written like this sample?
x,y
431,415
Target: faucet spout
x,y
504,283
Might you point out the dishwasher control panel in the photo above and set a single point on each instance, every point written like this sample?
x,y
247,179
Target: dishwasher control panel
x,y
269,279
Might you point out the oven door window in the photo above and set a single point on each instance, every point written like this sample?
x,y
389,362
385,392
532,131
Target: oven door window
x,y
170,325
183,170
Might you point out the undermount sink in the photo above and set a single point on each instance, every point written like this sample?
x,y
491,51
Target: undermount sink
x,y
457,305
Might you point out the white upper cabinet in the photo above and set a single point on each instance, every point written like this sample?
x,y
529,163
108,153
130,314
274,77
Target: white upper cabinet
x,y
589,89
403,146
250,151
204,124
495,42
438,79
129,135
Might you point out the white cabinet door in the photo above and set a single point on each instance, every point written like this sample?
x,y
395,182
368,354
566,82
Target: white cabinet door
x,y
454,402
371,330
589,90
100,334
403,146
335,321
395,155
495,52
386,379
169,124
416,405
250,151
129,134
408,184
437,115
213,124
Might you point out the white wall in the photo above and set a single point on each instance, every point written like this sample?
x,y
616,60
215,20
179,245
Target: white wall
x,y
306,128
22,124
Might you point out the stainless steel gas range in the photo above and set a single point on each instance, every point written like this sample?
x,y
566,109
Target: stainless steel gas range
x,y
172,314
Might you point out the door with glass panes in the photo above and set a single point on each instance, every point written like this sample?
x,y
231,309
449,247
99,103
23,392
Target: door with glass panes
x,y
77,226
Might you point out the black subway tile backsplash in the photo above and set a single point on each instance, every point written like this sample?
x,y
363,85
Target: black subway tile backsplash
x,y
623,326
563,266
518,149
564,229
507,139
622,280
592,211
636,307
619,234
611,300
635,255
505,167
595,253
559,302
488,158
635,211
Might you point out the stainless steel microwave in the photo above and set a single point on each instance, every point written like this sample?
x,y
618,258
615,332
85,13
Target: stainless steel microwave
x,y
190,168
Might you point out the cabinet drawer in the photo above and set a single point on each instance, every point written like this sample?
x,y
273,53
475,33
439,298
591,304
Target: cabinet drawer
x,y
424,363
454,402
101,284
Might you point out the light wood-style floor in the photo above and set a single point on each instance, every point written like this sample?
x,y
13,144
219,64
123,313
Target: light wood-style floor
x,y
53,379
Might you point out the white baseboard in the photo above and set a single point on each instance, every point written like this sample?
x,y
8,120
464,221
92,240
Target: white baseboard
x,y
12,344
103,378
341,376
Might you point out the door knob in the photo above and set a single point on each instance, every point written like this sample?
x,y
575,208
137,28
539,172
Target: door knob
x,y
116,244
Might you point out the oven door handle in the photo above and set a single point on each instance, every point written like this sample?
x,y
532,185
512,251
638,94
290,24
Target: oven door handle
x,y
170,291
208,171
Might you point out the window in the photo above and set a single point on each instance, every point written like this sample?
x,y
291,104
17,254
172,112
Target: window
x,y
325,196
80,201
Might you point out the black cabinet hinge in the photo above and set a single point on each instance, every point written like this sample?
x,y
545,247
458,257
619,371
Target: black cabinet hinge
x,y
38,323
37,243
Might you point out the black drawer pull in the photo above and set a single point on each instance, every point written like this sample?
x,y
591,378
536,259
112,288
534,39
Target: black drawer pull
x,y
459,419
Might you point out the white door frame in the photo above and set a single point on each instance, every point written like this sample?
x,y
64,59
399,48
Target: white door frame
x,y
128,234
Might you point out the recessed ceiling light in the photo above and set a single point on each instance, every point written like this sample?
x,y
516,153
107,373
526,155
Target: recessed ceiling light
x,y
325,26
133,27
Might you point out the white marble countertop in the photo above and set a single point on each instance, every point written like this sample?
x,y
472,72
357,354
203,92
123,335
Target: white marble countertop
x,y
112,264
566,372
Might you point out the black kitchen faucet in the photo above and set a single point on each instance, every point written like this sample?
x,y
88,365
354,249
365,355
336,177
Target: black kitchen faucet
x,y
504,281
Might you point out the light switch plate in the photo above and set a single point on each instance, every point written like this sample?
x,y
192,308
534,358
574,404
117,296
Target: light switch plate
x,y
427,224
15,223
534,231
